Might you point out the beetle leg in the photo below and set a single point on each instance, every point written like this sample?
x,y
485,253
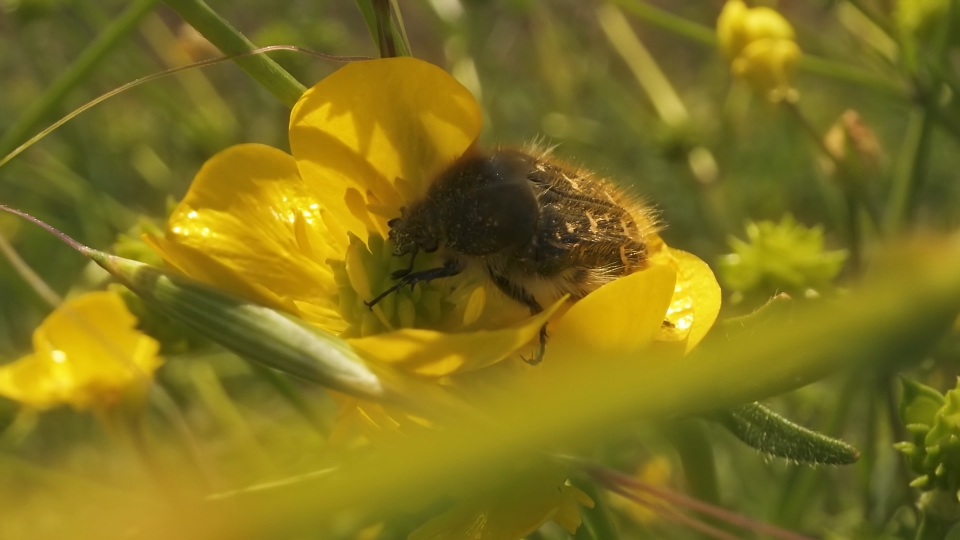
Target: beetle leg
x,y
449,268
521,295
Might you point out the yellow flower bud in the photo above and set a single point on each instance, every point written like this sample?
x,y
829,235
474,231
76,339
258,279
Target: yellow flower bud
x,y
759,44
852,143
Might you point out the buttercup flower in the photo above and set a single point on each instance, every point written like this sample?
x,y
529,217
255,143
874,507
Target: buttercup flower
x,y
306,233
87,354
759,44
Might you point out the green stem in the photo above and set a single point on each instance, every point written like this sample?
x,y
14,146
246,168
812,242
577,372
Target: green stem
x,y
939,515
910,167
875,17
293,396
597,521
854,232
842,72
230,41
933,528
388,48
89,59
801,490
696,454
668,21
854,186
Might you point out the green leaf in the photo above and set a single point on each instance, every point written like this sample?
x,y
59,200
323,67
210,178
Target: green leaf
x,y
772,434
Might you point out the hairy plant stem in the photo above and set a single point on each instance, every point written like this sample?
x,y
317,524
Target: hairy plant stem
x,y
91,57
229,40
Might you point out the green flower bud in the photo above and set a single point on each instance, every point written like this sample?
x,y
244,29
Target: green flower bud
x,y
780,257
933,421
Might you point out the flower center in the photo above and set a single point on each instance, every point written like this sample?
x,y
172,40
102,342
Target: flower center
x,y
449,304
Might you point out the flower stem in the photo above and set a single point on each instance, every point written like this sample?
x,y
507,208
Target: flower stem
x,y
668,21
391,38
855,187
229,40
696,455
939,514
910,167
89,59
29,275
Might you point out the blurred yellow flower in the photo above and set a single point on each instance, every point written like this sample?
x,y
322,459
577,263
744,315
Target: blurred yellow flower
x,y
87,354
657,471
760,46
306,233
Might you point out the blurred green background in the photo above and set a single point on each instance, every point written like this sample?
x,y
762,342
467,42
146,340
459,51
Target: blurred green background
x,y
540,69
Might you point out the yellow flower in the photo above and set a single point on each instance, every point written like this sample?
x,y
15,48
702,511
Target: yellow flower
x,y
657,471
87,354
305,233
760,46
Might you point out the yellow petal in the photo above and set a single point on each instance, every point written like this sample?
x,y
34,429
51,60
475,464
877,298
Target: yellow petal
x,y
623,316
86,353
697,297
380,130
31,381
435,354
730,28
250,224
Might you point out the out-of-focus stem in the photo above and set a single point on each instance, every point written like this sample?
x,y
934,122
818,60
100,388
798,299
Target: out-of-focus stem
x,y
855,187
696,455
229,40
909,169
668,105
876,18
669,21
861,77
32,278
111,36
648,74
854,231
938,510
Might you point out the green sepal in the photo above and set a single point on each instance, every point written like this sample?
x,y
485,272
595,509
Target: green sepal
x,y
772,434
919,403
253,332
